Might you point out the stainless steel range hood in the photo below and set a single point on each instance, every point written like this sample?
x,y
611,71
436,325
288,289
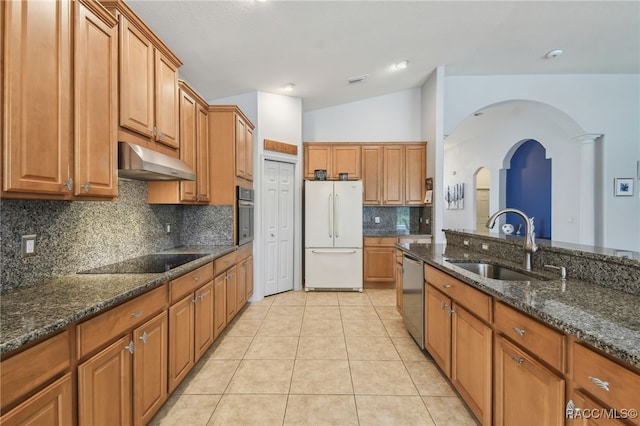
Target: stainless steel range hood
x,y
140,163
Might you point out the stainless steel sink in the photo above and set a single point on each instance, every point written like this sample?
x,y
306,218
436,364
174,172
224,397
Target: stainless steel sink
x,y
491,270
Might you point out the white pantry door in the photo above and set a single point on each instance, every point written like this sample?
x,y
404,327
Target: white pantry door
x,y
278,220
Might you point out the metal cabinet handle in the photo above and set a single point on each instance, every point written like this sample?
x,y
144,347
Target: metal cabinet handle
x,y
196,279
136,314
144,337
195,301
600,383
519,331
451,312
68,184
130,347
86,186
201,297
446,286
517,359
154,132
443,305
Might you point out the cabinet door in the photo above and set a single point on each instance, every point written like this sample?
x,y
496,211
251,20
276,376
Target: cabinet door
x,y
241,284
232,307
524,389
415,174
53,406
248,148
471,361
149,368
220,302
583,407
241,147
96,109
204,319
372,175
346,159
188,110
399,272
37,98
437,328
393,175
104,386
202,155
136,80
316,157
181,338
166,102
249,277
379,264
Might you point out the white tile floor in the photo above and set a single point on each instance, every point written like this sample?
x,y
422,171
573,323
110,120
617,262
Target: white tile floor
x,y
316,359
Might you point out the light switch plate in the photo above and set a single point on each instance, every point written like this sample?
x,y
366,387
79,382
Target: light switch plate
x,y
28,245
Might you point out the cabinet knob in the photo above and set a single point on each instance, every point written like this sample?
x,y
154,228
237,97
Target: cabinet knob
x,y
519,331
517,359
130,347
195,301
144,337
443,305
201,297
196,279
451,312
86,186
446,286
600,383
136,314
68,184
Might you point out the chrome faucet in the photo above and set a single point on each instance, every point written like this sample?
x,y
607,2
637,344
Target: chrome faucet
x,y
529,239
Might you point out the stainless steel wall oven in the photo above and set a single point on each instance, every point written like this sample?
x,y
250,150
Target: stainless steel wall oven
x,y
244,215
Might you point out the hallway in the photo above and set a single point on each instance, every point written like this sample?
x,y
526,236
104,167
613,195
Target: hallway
x,y
318,358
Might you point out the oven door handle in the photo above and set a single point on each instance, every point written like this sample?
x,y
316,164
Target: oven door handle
x,y
243,203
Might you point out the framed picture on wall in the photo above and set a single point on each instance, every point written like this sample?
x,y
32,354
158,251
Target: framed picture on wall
x,y
623,187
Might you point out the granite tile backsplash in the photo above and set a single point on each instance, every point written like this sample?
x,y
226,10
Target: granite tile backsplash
x,y
401,219
78,235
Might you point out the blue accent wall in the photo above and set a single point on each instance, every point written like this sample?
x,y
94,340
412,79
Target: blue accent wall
x,y
529,187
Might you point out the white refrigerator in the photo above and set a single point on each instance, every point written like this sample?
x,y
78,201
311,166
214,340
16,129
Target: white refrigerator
x,y
333,235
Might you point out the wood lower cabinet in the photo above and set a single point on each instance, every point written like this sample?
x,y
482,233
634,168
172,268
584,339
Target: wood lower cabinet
x,y
231,284
53,406
121,384
471,360
399,275
105,386
181,340
524,389
379,258
437,328
584,411
220,301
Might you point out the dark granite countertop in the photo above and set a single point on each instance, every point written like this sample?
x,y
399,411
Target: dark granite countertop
x,y
605,318
399,234
29,313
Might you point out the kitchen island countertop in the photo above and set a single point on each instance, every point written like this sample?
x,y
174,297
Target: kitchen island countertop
x,y
605,318
30,313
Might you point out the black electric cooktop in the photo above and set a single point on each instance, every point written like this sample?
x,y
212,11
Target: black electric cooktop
x,y
149,264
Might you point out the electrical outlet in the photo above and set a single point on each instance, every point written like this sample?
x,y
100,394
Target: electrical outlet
x,y
485,247
167,228
28,245
427,221
376,219
465,242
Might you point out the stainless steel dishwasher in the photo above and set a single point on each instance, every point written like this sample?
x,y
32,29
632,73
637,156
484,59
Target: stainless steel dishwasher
x,y
413,297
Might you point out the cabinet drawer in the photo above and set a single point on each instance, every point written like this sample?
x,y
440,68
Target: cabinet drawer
x,y
244,252
223,263
474,300
29,369
380,241
107,326
608,381
188,282
543,341
414,240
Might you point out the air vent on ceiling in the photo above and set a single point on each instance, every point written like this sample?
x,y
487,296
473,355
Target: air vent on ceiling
x,y
358,79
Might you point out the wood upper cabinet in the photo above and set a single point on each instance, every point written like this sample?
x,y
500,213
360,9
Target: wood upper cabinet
x,y
334,158
372,174
415,172
525,389
393,175
194,151
148,94
230,153
68,148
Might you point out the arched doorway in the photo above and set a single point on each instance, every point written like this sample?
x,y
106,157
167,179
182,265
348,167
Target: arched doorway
x,y
483,197
529,187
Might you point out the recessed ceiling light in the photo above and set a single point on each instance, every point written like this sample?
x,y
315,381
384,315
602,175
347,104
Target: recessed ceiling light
x,y
288,87
553,53
401,65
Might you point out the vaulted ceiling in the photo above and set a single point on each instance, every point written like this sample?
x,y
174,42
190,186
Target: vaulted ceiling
x,y
233,47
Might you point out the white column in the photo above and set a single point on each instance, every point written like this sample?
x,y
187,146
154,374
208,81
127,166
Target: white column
x,y
590,168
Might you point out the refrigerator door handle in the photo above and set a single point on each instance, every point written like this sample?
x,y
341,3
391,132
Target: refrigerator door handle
x,y
330,217
333,251
336,216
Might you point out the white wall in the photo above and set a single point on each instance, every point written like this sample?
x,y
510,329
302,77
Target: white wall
x,y
606,104
278,118
389,118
